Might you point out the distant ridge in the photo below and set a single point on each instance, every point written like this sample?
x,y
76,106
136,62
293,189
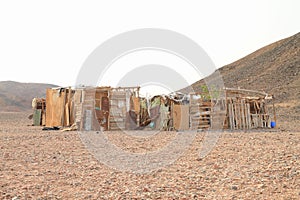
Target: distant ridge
x,y
15,96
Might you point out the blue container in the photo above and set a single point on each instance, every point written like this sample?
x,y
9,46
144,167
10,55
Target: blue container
x,y
152,125
273,124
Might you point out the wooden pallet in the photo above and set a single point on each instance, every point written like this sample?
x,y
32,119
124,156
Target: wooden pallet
x,y
200,114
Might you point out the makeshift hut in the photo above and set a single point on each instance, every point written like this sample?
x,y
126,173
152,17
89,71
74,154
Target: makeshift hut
x,y
92,105
159,108
124,108
39,111
168,112
248,109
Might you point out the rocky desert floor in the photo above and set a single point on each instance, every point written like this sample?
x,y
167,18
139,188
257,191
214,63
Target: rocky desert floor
x,y
36,164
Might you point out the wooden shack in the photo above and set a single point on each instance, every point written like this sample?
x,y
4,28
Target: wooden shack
x,y
158,111
39,111
107,108
168,112
124,108
93,108
248,109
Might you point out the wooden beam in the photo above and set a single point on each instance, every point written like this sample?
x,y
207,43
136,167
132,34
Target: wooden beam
x,y
245,90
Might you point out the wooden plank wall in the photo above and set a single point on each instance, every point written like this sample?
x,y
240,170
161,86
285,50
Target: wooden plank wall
x,y
240,116
59,107
102,106
122,103
55,104
199,113
181,117
89,120
77,106
117,119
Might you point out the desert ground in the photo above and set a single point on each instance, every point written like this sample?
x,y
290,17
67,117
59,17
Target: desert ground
x,y
36,164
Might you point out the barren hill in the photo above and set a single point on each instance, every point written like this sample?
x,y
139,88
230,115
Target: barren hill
x,y
274,69
15,96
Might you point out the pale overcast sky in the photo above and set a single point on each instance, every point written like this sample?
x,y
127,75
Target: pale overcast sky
x,y
48,41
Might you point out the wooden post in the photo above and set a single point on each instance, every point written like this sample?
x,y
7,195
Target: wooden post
x,y
246,116
68,107
230,115
243,113
236,115
233,115
239,114
63,107
226,109
274,111
249,116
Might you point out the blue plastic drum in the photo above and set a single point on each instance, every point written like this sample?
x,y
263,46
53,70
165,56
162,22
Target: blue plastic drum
x,y
273,124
